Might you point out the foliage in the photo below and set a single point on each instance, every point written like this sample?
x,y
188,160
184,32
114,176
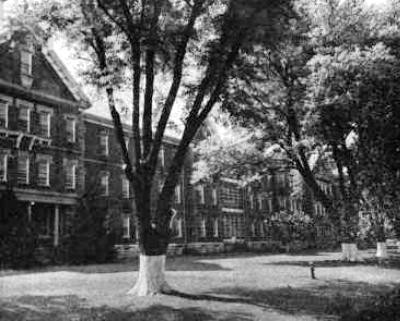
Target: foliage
x,y
91,240
18,239
328,91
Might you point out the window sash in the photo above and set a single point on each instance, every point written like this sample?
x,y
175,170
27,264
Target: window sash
x,y
71,130
4,168
104,185
3,114
23,170
216,234
214,196
126,227
125,188
104,144
44,121
24,118
26,63
70,181
43,173
200,191
178,195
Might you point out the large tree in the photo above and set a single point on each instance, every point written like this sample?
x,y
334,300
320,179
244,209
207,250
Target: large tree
x,y
332,79
188,48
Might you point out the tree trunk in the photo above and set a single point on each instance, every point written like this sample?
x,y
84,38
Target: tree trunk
x,y
350,252
153,244
381,250
151,278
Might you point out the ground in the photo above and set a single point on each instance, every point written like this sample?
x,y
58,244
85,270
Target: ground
x,y
241,287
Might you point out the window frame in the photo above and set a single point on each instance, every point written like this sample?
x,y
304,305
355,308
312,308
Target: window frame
x,y
26,158
71,120
105,185
6,103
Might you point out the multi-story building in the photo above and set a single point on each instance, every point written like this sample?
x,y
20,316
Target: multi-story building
x,y
40,126
105,179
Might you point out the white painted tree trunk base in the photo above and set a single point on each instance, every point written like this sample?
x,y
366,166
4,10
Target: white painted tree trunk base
x,y
381,250
151,279
350,252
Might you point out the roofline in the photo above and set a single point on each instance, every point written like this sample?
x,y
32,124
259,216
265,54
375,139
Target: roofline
x,y
58,66
38,96
103,121
65,76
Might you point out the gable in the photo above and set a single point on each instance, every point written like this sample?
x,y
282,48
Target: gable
x,y
46,73
45,78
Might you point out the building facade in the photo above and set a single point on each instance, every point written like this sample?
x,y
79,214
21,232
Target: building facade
x,y
40,126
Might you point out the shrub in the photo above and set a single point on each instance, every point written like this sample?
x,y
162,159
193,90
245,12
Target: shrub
x,y
18,239
90,239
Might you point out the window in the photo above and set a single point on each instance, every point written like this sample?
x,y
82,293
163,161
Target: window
x,y
24,116
44,123
214,196
126,227
26,63
261,225
253,229
3,113
282,202
3,168
203,228
231,196
104,184
125,188
178,195
179,227
216,234
104,144
71,129
44,172
200,194
23,170
70,178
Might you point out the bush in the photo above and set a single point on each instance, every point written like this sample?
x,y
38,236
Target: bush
x,y
90,239
18,239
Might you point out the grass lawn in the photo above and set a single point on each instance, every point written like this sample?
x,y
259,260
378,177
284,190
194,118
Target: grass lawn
x,y
225,288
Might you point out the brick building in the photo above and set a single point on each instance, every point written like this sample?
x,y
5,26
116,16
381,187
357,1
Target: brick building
x,y
40,125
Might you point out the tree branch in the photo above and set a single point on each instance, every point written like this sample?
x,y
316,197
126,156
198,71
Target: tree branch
x,y
173,91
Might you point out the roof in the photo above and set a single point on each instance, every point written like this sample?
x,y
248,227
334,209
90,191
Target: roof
x,y
107,122
56,63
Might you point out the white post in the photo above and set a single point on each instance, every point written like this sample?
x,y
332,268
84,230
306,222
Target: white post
x,y
56,224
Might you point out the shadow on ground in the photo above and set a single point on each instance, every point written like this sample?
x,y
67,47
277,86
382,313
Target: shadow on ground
x,y
72,308
390,263
172,264
330,298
